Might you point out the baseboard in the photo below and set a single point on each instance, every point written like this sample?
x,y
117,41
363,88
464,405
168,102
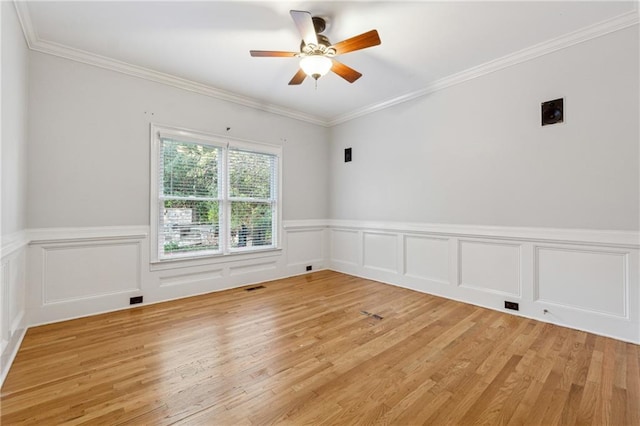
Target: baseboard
x,y
556,275
489,306
581,279
10,351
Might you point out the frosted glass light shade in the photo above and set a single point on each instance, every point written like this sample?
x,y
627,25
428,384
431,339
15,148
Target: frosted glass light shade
x,y
315,65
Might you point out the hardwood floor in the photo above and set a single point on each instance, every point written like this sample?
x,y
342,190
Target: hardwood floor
x,y
301,351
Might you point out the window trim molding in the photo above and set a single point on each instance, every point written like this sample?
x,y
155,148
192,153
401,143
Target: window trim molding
x,y
158,131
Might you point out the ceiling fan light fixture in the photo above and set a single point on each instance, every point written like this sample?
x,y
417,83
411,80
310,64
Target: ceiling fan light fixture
x,y
315,66
317,52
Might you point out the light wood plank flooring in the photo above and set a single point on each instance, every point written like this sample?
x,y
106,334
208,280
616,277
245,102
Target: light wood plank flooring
x,y
301,351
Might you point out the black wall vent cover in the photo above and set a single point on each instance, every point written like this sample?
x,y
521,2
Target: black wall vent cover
x,y
553,112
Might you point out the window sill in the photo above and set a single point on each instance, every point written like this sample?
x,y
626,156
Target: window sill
x,y
213,259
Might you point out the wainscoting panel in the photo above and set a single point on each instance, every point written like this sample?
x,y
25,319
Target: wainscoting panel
x,y
82,270
426,258
191,278
305,248
253,268
77,272
380,251
13,321
594,280
581,279
587,280
5,319
345,247
16,293
490,266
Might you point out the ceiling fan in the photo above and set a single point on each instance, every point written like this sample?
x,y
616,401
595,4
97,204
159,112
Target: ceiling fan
x,y
316,51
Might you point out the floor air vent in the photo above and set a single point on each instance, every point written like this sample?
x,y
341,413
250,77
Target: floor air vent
x,y
369,314
258,287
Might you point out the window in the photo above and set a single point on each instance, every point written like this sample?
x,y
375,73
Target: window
x,y
212,196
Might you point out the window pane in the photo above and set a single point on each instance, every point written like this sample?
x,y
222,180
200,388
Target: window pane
x,y
251,174
212,197
251,224
189,170
189,226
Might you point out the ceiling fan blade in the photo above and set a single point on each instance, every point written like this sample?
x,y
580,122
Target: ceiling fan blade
x,y
271,53
304,22
298,78
362,41
345,72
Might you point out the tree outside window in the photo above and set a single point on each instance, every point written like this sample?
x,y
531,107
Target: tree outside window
x,y
214,198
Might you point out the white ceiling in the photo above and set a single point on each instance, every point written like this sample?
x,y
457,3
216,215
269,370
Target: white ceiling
x,y
204,46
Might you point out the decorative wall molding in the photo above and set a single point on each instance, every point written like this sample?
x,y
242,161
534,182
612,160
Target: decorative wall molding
x,y
61,261
310,248
10,351
253,267
587,280
191,277
5,318
574,287
609,238
495,269
13,321
79,234
346,247
37,44
427,257
106,266
380,251
597,30
305,224
13,242
423,257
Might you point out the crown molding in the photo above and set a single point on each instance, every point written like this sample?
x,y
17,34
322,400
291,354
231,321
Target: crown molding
x,y
167,79
593,31
584,34
35,43
24,18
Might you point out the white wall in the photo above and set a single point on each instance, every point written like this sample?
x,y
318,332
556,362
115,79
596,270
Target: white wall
x,y
88,194
13,185
14,121
462,193
89,144
475,153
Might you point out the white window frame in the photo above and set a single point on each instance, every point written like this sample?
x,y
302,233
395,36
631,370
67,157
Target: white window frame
x,y
157,132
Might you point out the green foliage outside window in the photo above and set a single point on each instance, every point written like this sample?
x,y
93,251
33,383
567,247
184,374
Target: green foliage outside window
x,y
192,199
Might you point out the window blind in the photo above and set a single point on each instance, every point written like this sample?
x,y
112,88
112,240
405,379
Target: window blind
x,y
189,198
252,194
212,196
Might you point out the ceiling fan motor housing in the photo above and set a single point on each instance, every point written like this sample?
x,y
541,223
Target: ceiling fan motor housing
x,y
323,44
319,24
317,53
